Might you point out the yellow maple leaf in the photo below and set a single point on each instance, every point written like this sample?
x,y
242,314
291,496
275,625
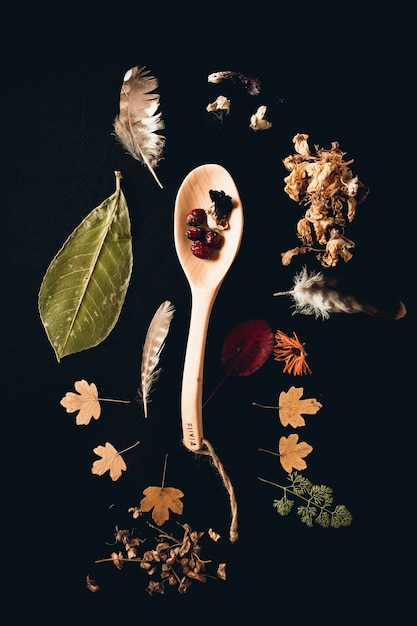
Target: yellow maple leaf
x,y
111,461
292,453
291,407
85,401
161,500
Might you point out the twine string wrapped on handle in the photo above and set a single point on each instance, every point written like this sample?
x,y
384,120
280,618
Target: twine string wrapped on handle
x,y
208,450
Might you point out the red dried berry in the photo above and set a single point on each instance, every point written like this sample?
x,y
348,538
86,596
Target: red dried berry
x,y
201,249
196,217
213,239
195,233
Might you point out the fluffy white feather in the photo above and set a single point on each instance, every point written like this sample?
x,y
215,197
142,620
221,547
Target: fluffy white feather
x,y
152,348
139,120
318,295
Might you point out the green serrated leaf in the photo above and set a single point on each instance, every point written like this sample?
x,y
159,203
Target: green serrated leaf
x,y
84,288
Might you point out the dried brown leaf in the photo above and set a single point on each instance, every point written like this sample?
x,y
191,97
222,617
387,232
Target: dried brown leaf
x,y
161,500
111,461
292,453
291,407
85,401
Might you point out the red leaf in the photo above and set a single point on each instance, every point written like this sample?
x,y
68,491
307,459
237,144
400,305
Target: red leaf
x,y
247,347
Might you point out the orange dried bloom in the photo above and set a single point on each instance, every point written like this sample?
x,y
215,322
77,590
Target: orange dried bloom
x,y
291,351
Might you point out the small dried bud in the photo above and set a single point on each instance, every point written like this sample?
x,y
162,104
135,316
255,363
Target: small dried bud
x,y
117,559
91,584
186,547
221,571
131,553
155,587
185,565
136,512
162,546
196,576
213,535
185,584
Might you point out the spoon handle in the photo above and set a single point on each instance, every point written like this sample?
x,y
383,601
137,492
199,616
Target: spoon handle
x,y
192,380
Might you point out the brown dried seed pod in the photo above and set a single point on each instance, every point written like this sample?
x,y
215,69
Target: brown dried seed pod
x,y
185,584
185,566
196,576
186,546
221,571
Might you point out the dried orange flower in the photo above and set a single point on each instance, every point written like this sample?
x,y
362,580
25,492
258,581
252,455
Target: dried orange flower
x,y
291,351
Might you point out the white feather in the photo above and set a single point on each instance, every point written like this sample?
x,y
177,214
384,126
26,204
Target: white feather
x,y
137,124
152,348
318,295
306,298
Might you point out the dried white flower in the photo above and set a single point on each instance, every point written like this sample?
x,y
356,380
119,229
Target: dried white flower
x,y
258,121
221,103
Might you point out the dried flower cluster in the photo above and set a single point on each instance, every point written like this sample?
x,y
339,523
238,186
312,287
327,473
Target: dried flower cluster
x,y
173,562
324,183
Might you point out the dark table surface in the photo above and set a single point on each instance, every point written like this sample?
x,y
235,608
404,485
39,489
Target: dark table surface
x,y
336,76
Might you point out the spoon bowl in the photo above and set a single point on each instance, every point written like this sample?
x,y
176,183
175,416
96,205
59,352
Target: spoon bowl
x,y
205,277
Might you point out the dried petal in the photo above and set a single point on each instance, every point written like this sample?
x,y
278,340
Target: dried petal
x,y
117,558
286,257
291,351
213,535
221,571
91,584
301,145
258,121
221,103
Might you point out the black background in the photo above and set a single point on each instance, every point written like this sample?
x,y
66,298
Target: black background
x,y
338,73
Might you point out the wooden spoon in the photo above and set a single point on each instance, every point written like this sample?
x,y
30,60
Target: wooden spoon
x,y
205,277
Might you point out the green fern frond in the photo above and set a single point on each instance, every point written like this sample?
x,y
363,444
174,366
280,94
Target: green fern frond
x,y
321,495
299,484
341,517
323,519
317,500
283,506
307,514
